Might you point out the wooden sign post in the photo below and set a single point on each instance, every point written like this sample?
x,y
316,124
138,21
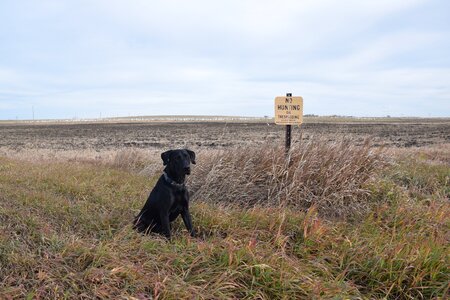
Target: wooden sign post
x,y
288,111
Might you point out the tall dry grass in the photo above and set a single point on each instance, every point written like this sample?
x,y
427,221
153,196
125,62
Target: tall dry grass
x,y
332,176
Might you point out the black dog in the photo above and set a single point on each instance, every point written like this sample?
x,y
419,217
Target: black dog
x,y
169,198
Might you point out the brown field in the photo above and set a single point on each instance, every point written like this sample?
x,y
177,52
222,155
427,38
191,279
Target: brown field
x,y
163,135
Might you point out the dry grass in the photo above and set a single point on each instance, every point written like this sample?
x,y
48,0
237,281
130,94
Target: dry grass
x,y
65,234
333,177
65,228
142,161
436,154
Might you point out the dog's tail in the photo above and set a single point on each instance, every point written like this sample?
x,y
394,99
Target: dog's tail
x,y
140,225
137,223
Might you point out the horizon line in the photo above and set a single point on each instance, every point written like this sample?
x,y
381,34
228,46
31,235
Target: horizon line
x,y
208,118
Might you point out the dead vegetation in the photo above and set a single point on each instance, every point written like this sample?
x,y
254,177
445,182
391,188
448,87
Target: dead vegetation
x,y
267,226
333,177
65,234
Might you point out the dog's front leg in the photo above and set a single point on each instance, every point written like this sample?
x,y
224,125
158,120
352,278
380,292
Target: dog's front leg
x,y
165,225
187,221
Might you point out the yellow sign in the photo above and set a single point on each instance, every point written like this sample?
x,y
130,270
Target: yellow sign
x,y
288,110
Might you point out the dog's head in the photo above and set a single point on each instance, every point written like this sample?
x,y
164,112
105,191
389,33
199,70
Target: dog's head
x,y
178,161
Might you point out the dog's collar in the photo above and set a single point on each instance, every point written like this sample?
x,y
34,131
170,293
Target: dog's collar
x,y
173,182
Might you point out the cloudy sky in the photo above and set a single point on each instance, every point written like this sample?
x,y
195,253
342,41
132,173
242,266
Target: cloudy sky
x,y
84,59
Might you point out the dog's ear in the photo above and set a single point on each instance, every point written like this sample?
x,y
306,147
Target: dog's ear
x,y
165,157
191,155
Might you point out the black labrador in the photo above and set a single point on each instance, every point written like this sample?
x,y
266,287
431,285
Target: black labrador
x,y
169,198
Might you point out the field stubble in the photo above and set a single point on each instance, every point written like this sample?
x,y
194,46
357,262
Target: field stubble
x,y
215,135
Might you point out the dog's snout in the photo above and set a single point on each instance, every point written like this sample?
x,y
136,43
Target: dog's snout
x,y
187,169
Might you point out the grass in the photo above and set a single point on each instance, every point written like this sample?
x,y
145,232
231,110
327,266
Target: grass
x,y
65,233
331,176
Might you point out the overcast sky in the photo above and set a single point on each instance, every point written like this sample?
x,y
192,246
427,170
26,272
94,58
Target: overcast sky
x,y
139,57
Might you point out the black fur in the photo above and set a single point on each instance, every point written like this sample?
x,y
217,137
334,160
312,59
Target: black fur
x,y
170,197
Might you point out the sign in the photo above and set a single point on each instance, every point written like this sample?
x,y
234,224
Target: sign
x,y
288,110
